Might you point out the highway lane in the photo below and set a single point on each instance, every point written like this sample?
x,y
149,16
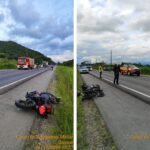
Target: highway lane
x,y
141,83
126,116
16,122
9,76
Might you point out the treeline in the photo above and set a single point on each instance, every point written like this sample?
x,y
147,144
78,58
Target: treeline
x,y
137,64
109,66
68,63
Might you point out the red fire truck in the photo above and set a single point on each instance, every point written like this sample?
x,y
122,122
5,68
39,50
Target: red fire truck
x,y
25,63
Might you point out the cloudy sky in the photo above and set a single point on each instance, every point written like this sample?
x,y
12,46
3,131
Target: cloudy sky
x,y
122,26
43,25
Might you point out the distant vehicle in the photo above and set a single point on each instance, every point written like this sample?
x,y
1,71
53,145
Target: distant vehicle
x,y
40,65
45,63
130,70
83,69
87,64
25,63
89,67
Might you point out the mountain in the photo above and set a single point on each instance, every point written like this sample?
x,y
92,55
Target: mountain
x,y
11,50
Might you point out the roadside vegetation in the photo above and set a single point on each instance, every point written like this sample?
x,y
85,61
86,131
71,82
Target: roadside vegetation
x,y
7,64
64,89
68,63
81,127
145,70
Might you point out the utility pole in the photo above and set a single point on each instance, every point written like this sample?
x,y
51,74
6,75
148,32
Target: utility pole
x,y
111,58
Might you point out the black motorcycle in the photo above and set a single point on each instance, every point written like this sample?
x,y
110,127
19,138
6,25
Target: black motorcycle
x,y
35,99
91,91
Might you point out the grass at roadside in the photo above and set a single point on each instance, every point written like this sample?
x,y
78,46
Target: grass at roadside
x,y
145,70
81,127
7,64
64,89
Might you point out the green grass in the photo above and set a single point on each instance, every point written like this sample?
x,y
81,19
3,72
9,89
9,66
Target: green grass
x,y
7,64
81,127
64,111
145,70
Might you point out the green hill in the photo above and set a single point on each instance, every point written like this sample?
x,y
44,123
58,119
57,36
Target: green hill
x,y
11,50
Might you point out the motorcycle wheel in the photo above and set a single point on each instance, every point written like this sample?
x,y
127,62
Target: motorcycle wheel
x,y
25,104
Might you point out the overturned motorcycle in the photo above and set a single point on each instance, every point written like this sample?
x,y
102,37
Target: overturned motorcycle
x,y
90,92
42,102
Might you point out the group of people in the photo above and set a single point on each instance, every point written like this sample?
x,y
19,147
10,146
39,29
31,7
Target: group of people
x,y
116,70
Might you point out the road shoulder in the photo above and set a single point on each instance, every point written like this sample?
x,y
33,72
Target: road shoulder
x,y
92,129
42,126
125,116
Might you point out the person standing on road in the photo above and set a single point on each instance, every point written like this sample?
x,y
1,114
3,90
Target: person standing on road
x,y
100,71
116,73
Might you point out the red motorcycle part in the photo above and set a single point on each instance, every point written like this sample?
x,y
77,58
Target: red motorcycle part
x,y
48,108
42,110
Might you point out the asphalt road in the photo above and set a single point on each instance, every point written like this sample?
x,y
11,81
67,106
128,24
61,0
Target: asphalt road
x,y
9,76
127,118
141,83
16,122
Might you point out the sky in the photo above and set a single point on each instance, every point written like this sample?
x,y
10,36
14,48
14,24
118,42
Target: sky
x,y
42,25
120,26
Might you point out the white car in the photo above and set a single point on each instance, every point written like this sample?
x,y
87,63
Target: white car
x,y
83,69
90,68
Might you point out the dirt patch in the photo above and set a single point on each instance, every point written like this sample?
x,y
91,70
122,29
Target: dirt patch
x,y
98,137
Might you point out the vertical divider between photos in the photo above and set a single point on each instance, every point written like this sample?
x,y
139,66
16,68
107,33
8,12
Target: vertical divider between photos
x,y
75,72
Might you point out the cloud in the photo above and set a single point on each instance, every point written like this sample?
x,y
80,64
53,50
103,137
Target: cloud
x,y
67,55
43,26
100,24
113,25
1,17
24,13
142,24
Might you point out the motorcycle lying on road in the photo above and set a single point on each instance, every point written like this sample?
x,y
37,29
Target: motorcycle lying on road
x,y
91,91
42,102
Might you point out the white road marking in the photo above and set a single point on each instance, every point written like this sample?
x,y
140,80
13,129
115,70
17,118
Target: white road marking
x,y
136,91
18,81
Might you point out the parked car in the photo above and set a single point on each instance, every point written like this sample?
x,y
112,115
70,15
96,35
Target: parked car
x,y
130,70
83,69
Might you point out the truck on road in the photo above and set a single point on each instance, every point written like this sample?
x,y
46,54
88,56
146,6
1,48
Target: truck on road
x,y
25,63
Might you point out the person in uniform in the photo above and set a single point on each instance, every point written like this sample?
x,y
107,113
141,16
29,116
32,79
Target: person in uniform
x,y
100,71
